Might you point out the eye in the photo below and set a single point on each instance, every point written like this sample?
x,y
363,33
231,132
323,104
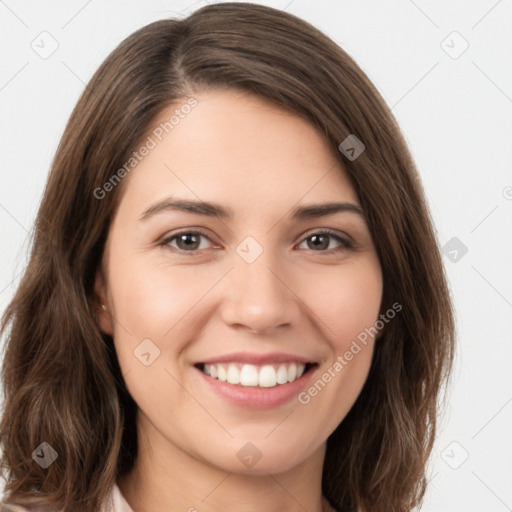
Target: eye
x,y
321,240
190,241
187,241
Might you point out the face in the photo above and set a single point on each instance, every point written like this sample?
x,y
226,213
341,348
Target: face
x,y
234,322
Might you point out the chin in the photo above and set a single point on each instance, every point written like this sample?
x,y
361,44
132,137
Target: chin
x,y
261,458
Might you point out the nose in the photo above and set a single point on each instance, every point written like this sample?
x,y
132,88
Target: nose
x,y
259,296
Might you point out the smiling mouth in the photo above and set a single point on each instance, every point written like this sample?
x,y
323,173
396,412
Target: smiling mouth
x,y
251,375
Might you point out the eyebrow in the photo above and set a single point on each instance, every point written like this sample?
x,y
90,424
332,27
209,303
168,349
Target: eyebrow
x,y
209,209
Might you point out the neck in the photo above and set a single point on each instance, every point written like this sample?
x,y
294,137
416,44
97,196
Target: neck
x,y
165,478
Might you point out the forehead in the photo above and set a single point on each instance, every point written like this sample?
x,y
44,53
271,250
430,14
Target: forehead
x,y
238,149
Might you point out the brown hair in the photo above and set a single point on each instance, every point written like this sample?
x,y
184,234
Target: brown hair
x,y
61,379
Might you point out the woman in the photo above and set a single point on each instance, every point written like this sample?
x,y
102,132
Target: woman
x,y
235,297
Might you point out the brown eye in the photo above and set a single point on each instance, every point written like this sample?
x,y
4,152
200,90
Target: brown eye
x,y
186,241
320,241
190,242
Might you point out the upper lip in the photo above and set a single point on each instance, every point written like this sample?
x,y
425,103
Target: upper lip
x,y
257,359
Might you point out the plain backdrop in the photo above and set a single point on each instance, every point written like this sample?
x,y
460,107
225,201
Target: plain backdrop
x,y
445,70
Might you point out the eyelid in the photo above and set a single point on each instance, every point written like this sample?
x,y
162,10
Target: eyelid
x,y
334,233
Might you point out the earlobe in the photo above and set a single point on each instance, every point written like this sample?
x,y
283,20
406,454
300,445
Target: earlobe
x,y
103,314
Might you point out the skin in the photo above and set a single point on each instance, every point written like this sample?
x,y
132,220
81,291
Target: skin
x,y
260,161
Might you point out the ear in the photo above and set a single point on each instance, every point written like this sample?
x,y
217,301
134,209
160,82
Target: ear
x,y
103,314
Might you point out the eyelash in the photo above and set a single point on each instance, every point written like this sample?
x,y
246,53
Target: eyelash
x,y
345,243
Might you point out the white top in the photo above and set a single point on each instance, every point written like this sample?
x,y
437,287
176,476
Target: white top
x,y
116,501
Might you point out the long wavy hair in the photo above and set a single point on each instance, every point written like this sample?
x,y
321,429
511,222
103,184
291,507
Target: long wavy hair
x,y
61,379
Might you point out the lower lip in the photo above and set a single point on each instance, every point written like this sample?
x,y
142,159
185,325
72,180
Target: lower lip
x,y
252,397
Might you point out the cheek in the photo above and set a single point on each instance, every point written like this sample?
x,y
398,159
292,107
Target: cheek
x,y
153,307
348,306
156,301
349,302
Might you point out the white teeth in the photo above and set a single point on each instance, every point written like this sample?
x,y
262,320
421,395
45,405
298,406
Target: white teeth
x,y
233,374
266,376
221,373
292,372
282,375
249,375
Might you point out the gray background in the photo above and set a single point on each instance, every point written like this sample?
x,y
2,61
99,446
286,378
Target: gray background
x,y
454,105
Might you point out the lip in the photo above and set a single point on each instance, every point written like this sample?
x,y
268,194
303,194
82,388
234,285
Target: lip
x,y
257,359
252,397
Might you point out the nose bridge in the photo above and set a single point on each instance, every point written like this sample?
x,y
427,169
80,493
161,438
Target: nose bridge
x,y
257,295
